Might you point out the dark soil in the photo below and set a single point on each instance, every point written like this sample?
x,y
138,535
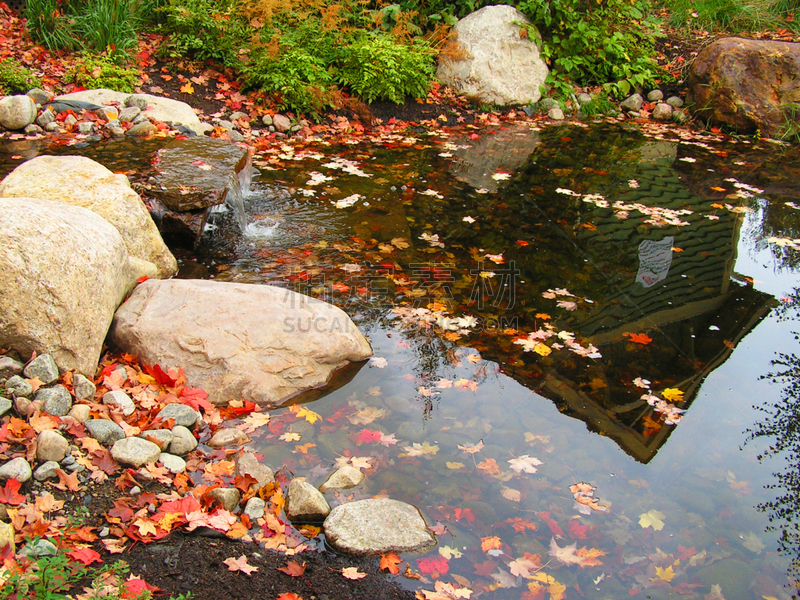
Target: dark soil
x,y
185,563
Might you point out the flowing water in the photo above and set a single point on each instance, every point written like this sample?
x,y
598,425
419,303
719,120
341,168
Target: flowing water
x,y
576,305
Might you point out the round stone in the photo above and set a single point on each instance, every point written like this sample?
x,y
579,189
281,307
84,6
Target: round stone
x,y
51,446
135,452
120,400
55,400
180,413
43,367
104,431
343,478
175,464
17,468
182,442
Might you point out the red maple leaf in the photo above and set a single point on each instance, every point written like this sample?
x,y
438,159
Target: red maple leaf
x,y
85,555
545,516
578,531
465,513
436,564
368,436
135,587
9,495
157,373
196,398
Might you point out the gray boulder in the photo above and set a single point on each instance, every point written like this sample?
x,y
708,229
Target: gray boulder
x,y
80,181
17,112
377,526
237,350
9,367
17,468
119,400
499,66
17,386
182,442
180,413
46,471
633,102
104,431
662,112
225,438
305,503
227,497
5,405
55,400
61,307
44,368
135,452
83,388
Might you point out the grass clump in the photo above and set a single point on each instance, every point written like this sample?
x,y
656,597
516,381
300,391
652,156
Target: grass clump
x,y
108,26
732,16
16,79
99,71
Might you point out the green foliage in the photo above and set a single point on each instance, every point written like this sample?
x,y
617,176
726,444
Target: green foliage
x,y
16,79
597,106
45,579
298,51
732,15
377,67
597,43
98,71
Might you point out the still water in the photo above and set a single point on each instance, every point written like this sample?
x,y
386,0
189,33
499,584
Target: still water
x,y
571,329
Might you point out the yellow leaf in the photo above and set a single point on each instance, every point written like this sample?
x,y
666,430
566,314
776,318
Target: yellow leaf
x,y
188,88
664,574
716,189
303,413
541,349
672,395
652,519
455,466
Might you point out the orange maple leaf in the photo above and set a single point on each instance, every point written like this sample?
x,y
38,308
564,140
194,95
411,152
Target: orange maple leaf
x,y
639,338
293,568
188,88
490,543
390,561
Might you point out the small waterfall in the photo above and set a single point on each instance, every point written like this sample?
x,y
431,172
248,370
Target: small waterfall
x,y
238,187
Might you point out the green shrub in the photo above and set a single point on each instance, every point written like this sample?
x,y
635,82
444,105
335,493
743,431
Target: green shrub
x,y
16,79
109,26
377,67
587,43
93,72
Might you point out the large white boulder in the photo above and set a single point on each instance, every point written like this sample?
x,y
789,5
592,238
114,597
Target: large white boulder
x,y
80,181
499,65
63,272
17,112
238,341
158,108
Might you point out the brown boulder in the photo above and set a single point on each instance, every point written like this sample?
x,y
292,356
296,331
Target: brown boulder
x,y
747,85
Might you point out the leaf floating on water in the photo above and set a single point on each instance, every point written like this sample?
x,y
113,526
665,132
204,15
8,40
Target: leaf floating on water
x,y
389,563
664,574
525,464
753,543
639,338
652,518
673,395
449,552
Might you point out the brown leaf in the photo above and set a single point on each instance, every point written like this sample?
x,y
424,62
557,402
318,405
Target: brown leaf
x,y
67,482
293,568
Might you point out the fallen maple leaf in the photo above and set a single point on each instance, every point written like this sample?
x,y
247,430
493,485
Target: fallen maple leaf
x,y
188,88
289,596
67,482
664,574
85,555
565,555
672,395
390,561
353,573
9,494
240,564
490,543
293,568
639,338
525,464
653,519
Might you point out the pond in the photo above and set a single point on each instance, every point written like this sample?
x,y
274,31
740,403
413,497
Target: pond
x,y
573,328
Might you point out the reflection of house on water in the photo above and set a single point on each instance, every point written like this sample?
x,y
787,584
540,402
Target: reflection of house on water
x,y
682,291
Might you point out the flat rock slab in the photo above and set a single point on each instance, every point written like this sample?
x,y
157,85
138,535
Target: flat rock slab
x,y
238,341
194,173
377,526
158,107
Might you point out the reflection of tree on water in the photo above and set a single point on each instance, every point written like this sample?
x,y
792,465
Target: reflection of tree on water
x,y
781,427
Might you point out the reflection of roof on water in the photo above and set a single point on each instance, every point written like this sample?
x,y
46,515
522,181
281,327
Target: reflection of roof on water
x,y
695,294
